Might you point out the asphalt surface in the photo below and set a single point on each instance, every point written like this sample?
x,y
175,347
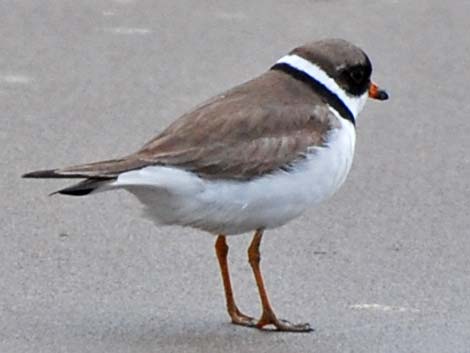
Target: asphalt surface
x,y
384,266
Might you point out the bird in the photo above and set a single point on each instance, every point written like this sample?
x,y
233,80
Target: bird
x,y
250,159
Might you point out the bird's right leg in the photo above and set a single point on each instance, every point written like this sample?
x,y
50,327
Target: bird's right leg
x,y
238,318
268,317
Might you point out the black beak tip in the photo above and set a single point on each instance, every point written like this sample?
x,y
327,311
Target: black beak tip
x,y
382,95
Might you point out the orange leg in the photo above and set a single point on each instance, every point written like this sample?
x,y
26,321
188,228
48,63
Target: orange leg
x,y
238,318
268,317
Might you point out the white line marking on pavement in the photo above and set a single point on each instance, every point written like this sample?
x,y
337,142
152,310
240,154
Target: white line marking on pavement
x,y
127,30
20,79
383,308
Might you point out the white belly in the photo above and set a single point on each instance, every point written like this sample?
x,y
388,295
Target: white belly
x,y
176,197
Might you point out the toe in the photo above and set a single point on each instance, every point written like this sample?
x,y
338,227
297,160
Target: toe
x,y
243,320
286,326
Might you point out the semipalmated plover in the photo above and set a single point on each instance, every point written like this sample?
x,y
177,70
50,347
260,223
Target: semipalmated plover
x,y
250,159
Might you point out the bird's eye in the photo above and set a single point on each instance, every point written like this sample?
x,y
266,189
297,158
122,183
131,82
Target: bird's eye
x,y
357,75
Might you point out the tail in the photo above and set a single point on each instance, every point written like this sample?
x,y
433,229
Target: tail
x,y
83,188
97,175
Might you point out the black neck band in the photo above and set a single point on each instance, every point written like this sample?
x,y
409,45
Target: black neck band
x,y
332,99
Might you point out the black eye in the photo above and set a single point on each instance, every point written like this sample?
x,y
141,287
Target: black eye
x,y
357,75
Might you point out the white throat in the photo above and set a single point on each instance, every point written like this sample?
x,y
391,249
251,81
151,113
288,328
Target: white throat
x,y
354,104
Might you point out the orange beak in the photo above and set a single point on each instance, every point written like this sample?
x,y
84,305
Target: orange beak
x,y
376,93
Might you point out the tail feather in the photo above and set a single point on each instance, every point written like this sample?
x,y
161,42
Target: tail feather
x,y
98,175
82,188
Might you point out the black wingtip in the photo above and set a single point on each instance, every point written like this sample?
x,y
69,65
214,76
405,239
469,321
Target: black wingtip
x,y
50,173
59,174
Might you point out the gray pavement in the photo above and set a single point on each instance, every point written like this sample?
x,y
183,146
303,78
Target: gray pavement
x,y
384,266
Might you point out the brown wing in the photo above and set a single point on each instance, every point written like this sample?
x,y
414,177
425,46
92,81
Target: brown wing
x,y
253,129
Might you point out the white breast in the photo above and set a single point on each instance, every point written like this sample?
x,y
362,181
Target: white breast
x,y
174,196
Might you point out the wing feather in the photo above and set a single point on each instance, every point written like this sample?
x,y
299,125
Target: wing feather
x,y
252,129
